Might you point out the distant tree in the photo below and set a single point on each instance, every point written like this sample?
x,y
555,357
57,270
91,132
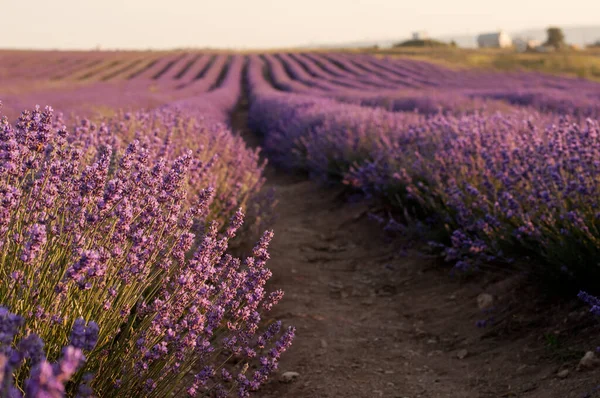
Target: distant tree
x,y
453,44
556,37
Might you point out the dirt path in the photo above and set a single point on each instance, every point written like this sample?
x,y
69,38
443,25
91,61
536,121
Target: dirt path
x,y
374,320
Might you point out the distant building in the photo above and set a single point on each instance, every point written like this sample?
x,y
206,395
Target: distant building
x,y
494,40
522,45
422,35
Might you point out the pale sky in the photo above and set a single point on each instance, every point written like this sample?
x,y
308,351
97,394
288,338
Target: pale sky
x,y
142,24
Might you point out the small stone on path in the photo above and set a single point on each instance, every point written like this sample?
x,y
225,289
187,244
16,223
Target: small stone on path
x,y
563,373
485,301
589,361
288,377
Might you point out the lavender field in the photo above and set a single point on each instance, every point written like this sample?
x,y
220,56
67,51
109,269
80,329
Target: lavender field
x,y
436,230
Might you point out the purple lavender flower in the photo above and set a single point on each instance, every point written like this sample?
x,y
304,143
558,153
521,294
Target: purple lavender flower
x,y
592,301
36,240
84,337
44,383
9,326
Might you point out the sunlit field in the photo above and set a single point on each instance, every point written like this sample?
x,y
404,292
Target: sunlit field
x,y
425,210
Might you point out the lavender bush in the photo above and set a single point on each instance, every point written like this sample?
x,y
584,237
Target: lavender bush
x,y
95,231
514,183
219,158
497,185
504,186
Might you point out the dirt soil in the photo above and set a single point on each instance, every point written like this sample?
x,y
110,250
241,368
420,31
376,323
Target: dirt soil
x,y
375,318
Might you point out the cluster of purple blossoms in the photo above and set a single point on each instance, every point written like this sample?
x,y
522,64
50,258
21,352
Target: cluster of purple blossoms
x,y
592,301
45,379
218,158
124,235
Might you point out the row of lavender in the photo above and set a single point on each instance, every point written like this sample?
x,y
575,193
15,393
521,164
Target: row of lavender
x,y
107,66
405,85
108,85
497,186
116,277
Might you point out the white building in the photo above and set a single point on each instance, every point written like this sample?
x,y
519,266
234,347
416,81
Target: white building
x,y
494,40
422,35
